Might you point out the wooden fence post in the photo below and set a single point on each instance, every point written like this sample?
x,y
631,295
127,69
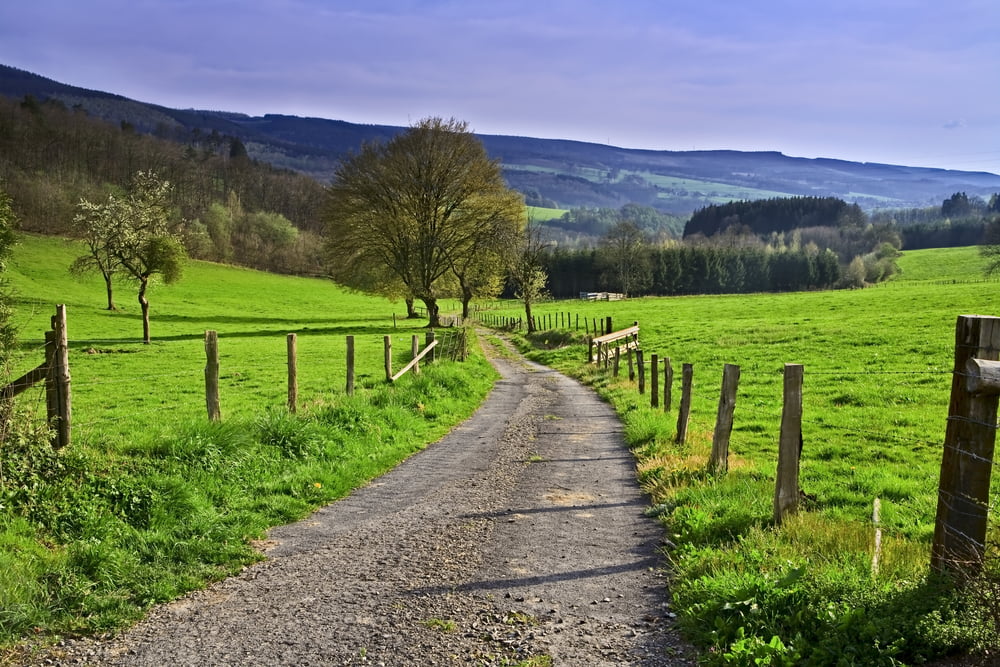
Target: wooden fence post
x,y
387,343
640,362
608,325
212,376
631,366
60,419
617,362
51,396
967,462
293,372
415,350
687,379
350,365
719,460
428,339
654,381
668,384
786,489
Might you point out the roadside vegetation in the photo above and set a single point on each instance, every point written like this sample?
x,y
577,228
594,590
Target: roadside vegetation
x,y
151,499
877,380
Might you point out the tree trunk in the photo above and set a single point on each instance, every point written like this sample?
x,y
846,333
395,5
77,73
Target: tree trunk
x,y
108,286
466,298
527,316
411,312
433,318
144,304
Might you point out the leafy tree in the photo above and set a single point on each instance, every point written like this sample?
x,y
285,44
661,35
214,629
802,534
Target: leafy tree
x,y
956,206
423,205
526,270
8,238
133,230
623,252
991,247
92,225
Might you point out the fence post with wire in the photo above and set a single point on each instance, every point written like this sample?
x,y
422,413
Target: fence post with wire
x,y
54,371
970,438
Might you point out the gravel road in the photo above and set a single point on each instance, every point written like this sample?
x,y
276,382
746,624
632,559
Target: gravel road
x,y
519,535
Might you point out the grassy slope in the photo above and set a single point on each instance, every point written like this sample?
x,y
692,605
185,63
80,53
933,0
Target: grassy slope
x,y
151,500
877,379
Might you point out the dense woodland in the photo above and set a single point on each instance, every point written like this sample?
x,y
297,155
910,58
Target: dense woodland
x,y
226,206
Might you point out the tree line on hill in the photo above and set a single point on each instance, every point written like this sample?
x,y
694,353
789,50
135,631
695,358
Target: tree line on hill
x,y
225,206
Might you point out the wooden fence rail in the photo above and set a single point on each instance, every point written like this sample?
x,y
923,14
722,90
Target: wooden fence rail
x,y
602,344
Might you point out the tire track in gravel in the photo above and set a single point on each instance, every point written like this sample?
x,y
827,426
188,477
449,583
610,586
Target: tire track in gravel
x,y
520,534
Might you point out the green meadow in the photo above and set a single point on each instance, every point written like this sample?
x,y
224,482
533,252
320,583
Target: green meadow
x,y
151,499
877,367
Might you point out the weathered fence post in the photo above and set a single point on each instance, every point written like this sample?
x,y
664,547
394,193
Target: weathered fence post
x,y
617,362
350,366
293,373
687,379
786,489
607,327
387,344
428,339
639,361
62,402
212,375
654,381
969,442
415,350
631,366
719,460
51,397
668,384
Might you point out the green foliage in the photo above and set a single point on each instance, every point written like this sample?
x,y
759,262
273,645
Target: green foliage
x,y
877,380
152,500
424,210
781,214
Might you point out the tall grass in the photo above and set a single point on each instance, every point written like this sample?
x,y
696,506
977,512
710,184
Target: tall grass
x,y
877,379
151,499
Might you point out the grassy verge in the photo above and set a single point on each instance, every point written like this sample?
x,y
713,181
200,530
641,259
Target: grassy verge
x,y
877,380
151,500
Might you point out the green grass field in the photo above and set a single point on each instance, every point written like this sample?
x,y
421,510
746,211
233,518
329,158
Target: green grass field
x,y
877,382
152,499
542,214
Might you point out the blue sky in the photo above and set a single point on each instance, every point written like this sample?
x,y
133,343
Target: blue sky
x,y
898,81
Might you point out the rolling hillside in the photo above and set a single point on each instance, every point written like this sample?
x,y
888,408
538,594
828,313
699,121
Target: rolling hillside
x,y
551,173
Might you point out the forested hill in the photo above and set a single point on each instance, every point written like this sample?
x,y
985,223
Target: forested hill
x,y
550,172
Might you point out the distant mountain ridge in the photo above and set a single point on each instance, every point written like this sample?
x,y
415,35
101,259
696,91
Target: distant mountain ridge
x,y
550,172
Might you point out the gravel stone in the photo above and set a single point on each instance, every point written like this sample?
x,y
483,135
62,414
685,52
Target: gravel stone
x,y
520,534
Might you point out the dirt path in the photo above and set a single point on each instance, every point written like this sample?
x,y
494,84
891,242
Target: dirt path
x,y
521,534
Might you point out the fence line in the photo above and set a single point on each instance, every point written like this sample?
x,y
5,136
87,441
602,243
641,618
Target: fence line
x,y
450,344
968,452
